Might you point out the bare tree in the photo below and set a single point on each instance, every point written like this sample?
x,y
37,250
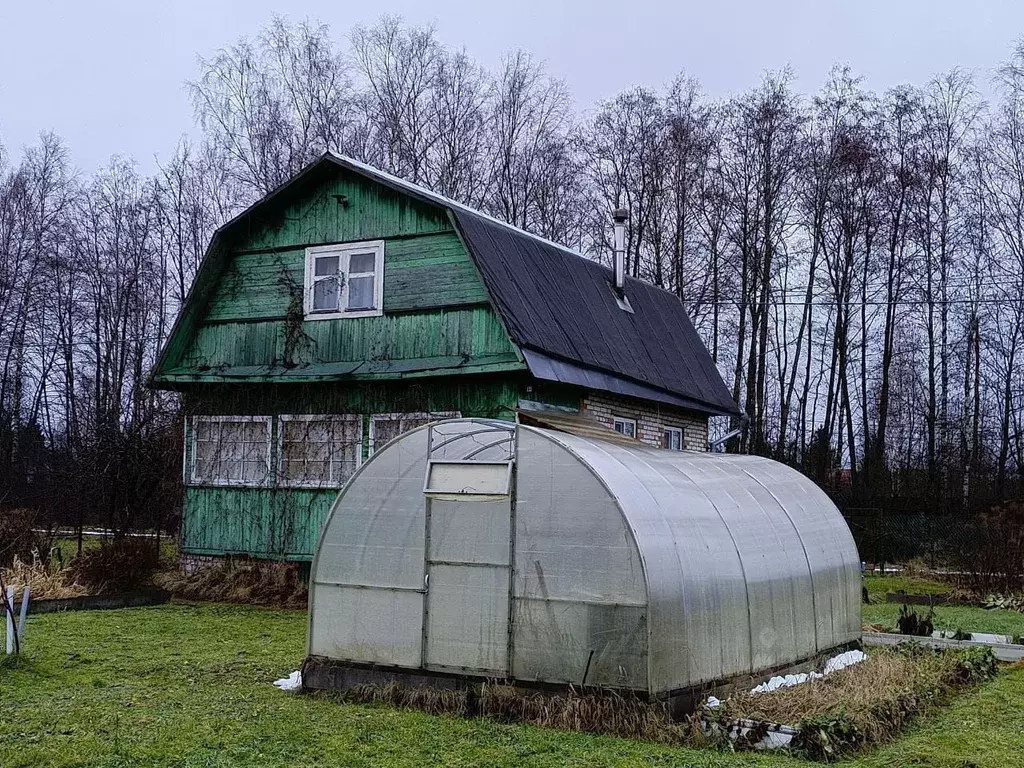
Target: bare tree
x,y
271,106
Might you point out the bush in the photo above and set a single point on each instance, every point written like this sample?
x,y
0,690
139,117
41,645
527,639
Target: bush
x,y
973,665
116,566
18,537
910,623
991,558
827,737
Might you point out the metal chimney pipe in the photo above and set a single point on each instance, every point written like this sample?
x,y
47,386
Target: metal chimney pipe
x,y
619,217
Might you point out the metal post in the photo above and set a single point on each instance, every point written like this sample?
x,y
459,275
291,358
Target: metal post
x,y
24,613
9,623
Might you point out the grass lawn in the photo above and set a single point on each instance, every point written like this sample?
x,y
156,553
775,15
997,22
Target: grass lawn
x,y
879,586
185,685
967,618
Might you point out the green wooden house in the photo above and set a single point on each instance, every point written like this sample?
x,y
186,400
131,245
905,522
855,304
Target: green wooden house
x,y
349,306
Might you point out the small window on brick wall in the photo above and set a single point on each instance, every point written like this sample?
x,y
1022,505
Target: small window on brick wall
x,y
673,439
319,451
625,427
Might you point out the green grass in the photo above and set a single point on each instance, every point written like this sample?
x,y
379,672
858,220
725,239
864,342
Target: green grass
x,y
911,585
185,685
967,618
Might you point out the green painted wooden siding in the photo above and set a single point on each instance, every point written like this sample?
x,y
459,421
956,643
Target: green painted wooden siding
x,y
248,324
420,272
285,523
313,214
493,396
259,522
243,337
472,334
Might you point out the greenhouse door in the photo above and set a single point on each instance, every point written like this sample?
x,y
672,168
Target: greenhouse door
x,y
467,580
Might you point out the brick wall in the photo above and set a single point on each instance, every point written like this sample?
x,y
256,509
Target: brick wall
x,y
651,419
191,564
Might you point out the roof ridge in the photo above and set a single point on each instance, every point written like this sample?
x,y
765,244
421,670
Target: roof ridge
x,y
440,199
447,201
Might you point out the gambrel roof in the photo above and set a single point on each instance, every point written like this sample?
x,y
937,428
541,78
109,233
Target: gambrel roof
x,y
561,311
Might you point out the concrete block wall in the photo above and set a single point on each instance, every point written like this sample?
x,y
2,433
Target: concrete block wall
x,y
191,564
651,419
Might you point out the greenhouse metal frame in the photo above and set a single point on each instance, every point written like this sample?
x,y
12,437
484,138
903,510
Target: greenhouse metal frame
x,y
483,549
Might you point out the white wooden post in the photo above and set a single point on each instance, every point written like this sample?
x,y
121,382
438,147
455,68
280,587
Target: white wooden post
x,y
24,613
9,623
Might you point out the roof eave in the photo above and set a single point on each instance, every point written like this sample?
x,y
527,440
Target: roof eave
x,y
545,367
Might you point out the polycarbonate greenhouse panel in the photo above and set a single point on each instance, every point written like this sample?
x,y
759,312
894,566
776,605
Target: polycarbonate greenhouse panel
x,y
580,643
467,618
367,625
476,532
830,549
478,440
580,599
572,542
378,541
774,565
729,580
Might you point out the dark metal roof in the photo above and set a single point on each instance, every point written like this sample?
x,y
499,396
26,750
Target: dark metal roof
x,y
564,306
552,369
561,305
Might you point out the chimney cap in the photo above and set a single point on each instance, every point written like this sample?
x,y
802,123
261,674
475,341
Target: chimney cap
x,y
620,215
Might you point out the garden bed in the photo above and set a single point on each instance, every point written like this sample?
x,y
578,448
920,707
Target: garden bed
x,y
134,599
864,705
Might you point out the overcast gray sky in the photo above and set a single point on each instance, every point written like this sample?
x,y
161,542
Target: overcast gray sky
x,y
109,76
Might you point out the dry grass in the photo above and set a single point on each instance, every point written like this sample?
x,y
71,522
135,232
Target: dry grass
x,y
608,712
256,582
862,706
46,582
621,714
435,701
918,568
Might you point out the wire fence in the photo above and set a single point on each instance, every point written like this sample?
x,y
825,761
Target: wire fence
x,y
884,537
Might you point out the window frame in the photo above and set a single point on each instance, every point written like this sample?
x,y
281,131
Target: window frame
x,y
193,481
682,437
331,484
344,253
625,420
428,415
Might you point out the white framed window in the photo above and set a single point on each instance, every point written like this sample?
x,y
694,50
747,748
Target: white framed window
x,y
385,427
230,450
672,439
318,451
344,280
625,427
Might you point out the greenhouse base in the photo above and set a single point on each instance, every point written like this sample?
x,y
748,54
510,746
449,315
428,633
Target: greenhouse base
x,y
323,674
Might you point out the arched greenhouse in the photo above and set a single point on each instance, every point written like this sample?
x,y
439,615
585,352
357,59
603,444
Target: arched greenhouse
x,y
486,549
